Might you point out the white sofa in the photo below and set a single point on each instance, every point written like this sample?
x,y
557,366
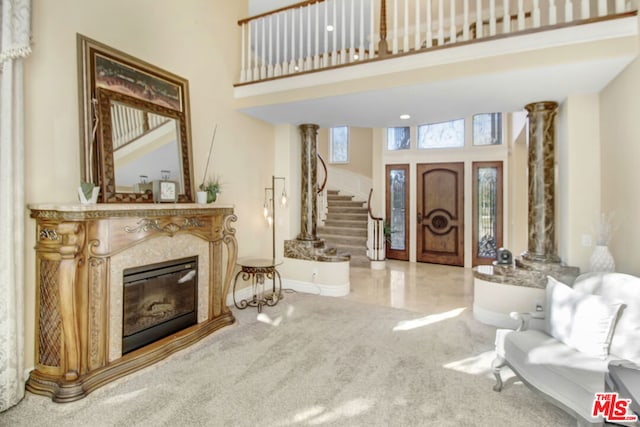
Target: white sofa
x,y
564,352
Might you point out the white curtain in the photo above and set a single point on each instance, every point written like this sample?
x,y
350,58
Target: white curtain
x,y
15,16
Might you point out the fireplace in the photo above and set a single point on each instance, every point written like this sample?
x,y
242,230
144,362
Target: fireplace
x,y
158,300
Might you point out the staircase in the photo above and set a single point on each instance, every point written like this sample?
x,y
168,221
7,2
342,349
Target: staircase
x,y
346,227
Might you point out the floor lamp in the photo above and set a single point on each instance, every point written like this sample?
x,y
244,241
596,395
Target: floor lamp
x,y
270,211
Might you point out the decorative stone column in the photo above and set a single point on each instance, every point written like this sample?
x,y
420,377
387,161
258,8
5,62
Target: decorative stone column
x,y
542,243
309,187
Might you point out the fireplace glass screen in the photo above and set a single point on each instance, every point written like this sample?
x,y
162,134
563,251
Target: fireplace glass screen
x,y
159,299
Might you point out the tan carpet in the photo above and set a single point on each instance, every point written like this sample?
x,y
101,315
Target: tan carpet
x,y
314,361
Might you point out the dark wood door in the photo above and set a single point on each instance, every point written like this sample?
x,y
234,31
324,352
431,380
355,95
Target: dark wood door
x,y
440,213
397,211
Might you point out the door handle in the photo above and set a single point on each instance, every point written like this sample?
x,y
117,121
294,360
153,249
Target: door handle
x,y
419,217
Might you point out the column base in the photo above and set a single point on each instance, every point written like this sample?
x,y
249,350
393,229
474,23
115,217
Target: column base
x,y
312,250
556,269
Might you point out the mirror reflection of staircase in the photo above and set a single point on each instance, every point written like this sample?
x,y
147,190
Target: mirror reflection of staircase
x,y
345,227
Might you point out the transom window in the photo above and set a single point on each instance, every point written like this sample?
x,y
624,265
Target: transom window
x,y
339,145
487,129
441,135
398,138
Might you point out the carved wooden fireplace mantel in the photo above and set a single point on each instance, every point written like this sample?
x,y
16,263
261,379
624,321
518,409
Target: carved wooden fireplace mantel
x,y
81,251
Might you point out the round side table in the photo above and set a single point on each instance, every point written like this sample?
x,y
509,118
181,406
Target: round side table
x,y
259,271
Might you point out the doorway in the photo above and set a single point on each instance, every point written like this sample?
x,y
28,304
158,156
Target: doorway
x,y
440,213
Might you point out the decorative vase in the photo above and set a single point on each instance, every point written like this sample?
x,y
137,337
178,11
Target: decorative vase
x,y
211,196
201,197
602,260
94,196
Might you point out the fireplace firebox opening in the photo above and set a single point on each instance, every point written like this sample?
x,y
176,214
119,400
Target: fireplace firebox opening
x,y
159,300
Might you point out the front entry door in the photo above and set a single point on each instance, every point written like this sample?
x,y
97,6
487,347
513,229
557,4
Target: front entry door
x,y
440,213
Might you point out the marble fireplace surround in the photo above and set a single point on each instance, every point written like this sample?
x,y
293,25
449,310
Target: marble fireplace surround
x,y
81,252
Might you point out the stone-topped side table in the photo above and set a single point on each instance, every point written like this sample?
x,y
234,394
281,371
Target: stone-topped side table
x,y
258,271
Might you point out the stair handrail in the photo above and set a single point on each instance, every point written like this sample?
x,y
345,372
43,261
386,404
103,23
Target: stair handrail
x,y
369,207
376,250
323,208
326,174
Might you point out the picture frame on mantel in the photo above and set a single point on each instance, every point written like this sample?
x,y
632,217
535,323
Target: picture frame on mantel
x,y
110,82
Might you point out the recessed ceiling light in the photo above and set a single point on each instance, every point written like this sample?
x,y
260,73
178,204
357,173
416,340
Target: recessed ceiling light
x,y
329,28
356,56
404,117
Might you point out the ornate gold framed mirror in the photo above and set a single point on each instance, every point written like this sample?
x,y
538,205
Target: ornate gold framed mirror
x,y
135,125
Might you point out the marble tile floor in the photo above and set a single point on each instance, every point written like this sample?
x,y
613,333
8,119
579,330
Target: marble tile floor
x,y
419,287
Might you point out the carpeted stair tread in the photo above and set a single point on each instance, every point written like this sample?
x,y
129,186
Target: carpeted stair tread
x,y
345,226
343,231
333,239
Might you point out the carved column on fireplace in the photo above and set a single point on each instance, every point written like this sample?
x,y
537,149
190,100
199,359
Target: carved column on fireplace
x,y
75,249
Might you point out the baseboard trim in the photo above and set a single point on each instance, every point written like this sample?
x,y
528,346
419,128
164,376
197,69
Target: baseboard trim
x,y
298,286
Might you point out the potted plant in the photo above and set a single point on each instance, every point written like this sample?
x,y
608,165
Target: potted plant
x,y
212,188
88,193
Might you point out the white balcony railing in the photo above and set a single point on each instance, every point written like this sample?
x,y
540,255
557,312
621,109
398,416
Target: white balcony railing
x,y
318,34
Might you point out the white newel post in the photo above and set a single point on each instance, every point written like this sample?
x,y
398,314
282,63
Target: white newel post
x,y
568,11
334,52
343,34
553,15
602,7
405,44
352,29
416,39
270,64
440,22
584,9
536,13
453,30
325,53
301,56
316,56
277,71
520,15
465,20
263,66
394,43
506,17
479,19
361,45
243,71
372,51
308,64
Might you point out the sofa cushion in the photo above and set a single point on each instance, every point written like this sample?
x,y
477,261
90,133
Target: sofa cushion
x,y
582,321
624,288
567,375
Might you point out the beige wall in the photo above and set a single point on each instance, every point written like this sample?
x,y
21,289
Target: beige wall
x,y
360,152
578,178
190,39
620,153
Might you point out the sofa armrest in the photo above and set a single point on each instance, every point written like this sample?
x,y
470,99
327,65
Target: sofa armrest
x,y
531,319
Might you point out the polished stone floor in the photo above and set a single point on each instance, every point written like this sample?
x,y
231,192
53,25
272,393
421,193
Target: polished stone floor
x,y
419,287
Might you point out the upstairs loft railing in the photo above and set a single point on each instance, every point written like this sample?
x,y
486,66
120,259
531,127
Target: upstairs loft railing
x,y
319,34
129,125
